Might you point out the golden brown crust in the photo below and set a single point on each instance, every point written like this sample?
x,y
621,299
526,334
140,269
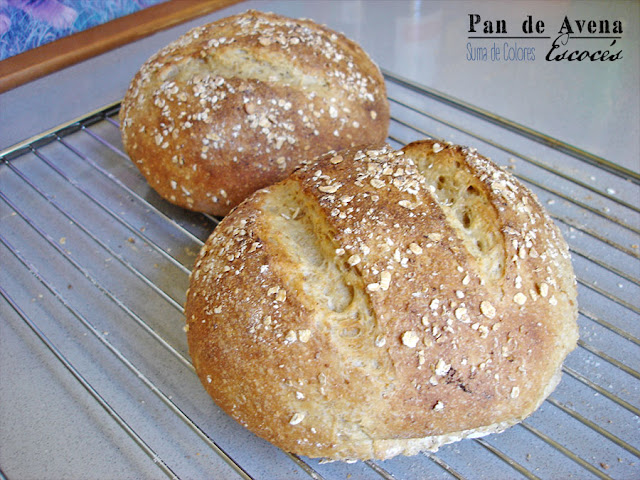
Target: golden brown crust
x,y
235,105
349,310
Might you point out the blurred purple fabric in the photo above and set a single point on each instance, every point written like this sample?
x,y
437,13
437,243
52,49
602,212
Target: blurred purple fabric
x,y
27,24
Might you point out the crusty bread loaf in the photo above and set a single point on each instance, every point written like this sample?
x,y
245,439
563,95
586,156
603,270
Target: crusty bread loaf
x,y
382,302
234,106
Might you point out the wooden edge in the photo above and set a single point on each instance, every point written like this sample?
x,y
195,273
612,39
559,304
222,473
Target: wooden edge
x,y
40,61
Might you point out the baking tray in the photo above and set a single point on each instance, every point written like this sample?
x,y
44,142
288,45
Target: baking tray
x,y
94,272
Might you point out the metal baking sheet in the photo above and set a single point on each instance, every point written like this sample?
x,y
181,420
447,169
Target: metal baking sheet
x,y
96,377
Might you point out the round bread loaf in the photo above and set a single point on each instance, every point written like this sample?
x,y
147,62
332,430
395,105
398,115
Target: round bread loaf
x,y
233,106
382,302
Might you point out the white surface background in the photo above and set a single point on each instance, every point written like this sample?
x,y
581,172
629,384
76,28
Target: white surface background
x,y
592,105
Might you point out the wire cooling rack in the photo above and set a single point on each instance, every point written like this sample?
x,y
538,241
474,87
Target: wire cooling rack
x,y
95,268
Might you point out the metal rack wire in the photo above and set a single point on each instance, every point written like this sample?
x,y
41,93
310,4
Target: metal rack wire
x,y
108,262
